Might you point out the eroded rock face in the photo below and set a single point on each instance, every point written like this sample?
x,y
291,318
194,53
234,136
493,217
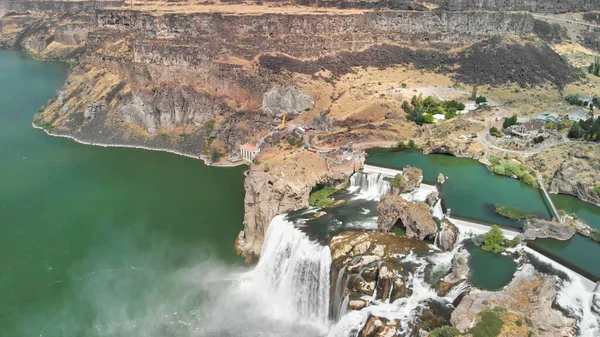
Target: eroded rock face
x,y
379,327
281,100
530,293
412,180
366,263
447,235
460,267
541,229
415,217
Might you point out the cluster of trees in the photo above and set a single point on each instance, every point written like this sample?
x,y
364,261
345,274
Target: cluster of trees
x,y
510,121
421,110
594,69
480,99
587,130
494,241
575,99
508,168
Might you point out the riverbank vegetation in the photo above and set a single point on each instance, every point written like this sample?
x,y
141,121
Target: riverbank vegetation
x,y
513,213
507,168
421,110
490,323
586,130
494,241
445,331
322,197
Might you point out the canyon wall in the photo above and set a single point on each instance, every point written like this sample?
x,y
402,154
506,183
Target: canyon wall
x,y
61,6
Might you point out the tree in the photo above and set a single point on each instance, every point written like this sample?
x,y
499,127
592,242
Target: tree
x,y
480,99
493,131
493,240
508,122
215,155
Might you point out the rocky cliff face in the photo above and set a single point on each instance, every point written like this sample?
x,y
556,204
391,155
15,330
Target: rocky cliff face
x,y
544,6
571,169
286,188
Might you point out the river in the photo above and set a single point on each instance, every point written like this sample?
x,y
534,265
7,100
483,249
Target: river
x,y
472,191
101,241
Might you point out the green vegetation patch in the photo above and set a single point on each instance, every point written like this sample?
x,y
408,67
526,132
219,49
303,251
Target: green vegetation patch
x,y
597,189
510,121
399,231
397,180
321,197
513,213
494,241
444,331
421,110
490,324
507,168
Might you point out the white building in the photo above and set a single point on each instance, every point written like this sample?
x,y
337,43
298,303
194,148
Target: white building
x,y
248,152
577,115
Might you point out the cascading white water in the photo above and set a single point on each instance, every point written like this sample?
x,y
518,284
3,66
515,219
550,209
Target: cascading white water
x,y
575,296
405,309
295,271
369,185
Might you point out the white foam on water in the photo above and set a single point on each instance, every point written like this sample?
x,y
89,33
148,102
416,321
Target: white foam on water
x,y
370,186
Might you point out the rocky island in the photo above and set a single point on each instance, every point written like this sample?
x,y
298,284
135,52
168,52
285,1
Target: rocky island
x,y
297,91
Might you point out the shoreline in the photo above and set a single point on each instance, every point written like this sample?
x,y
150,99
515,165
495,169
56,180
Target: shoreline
x,y
140,147
393,150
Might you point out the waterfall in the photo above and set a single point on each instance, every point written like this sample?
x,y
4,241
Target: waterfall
x,y
406,309
457,290
575,295
295,271
369,185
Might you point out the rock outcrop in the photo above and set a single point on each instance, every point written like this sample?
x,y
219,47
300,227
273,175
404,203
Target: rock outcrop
x,y
447,236
542,229
366,264
460,267
530,293
379,327
285,188
282,100
410,181
572,168
415,217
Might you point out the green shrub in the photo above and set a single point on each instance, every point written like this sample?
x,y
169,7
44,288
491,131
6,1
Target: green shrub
x,y
510,121
411,143
519,322
397,180
490,325
493,240
493,131
444,331
494,160
480,99
514,242
215,155
529,322
403,85
597,189
321,197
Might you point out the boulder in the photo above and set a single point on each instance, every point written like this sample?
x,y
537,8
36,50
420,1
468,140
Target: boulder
x,y
411,180
415,217
541,229
441,179
460,267
379,327
447,235
530,293
281,100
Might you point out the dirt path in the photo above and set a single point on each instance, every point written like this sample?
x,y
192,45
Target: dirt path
x,y
481,138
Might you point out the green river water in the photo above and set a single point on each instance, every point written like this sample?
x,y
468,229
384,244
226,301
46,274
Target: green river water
x,y
101,241
471,191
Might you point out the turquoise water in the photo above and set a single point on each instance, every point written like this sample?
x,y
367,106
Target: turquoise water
x,y
490,278
103,241
471,191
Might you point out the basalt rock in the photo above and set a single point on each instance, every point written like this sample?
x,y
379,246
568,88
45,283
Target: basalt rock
x,y
281,100
460,267
411,180
366,263
447,235
541,229
415,217
380,327
530,293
